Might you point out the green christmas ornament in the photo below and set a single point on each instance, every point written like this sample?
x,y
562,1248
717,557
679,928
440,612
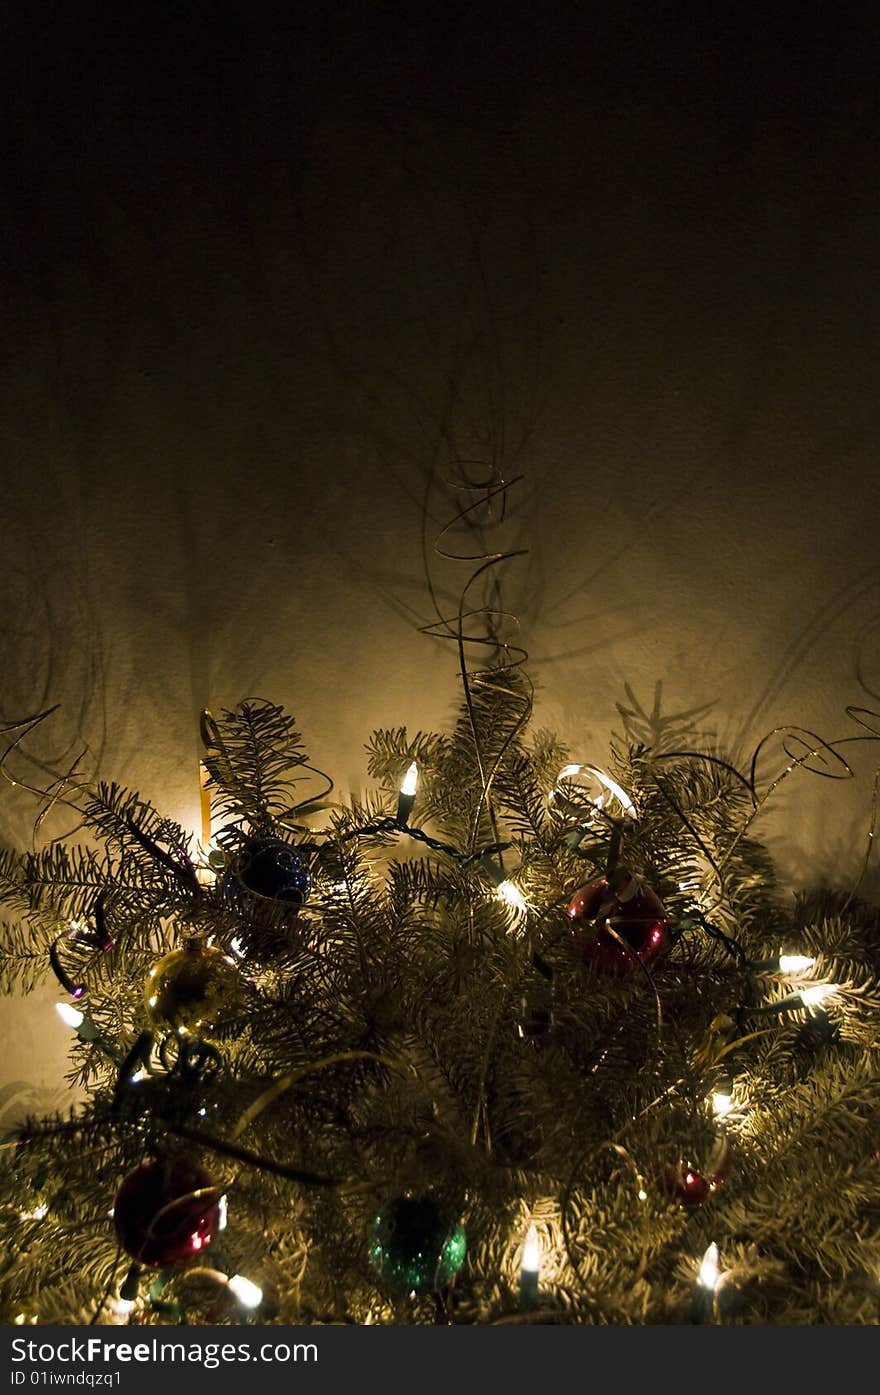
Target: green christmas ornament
x,y
417,1244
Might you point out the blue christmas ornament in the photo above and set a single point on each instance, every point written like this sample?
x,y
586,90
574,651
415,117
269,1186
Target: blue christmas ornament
x,y
269,869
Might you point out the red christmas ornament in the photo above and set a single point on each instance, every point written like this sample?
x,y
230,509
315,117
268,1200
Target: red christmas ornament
x,y
628,908
691,1187
166,1212
686,1185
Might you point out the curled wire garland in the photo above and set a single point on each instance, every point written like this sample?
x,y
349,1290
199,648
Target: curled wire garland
x,y
505,656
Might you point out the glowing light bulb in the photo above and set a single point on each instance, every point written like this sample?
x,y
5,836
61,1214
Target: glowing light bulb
x,y
643,1195
222,1217
38,1214
530,1266
708,1275
531,1252
795,963
510,895
722,1103
407,797
249,1295
70,1015
817,993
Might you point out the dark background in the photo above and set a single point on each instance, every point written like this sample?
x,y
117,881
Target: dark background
x,y
269,271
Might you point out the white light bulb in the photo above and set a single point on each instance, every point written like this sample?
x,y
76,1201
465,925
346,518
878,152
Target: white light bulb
x,y
531,1252
410,780
643,1195
71,1015
510,895
817,993
795,963
709,1267
249,1295
38,1214
722,1103
222,1217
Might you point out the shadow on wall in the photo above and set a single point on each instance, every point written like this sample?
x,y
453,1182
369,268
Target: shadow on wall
x,y
20,1099
817,798
53,655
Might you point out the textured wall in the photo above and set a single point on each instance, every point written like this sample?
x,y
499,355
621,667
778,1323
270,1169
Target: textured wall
x,y
265,282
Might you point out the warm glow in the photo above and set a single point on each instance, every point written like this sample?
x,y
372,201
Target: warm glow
x,y
722,1103
121,1306
70,1015
510,895
817,993
249,1295
531,1252
643,1195
709,1267
410,780
222,1217
795,963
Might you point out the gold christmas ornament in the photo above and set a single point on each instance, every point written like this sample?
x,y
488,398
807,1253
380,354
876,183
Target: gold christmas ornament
x,y
192,989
